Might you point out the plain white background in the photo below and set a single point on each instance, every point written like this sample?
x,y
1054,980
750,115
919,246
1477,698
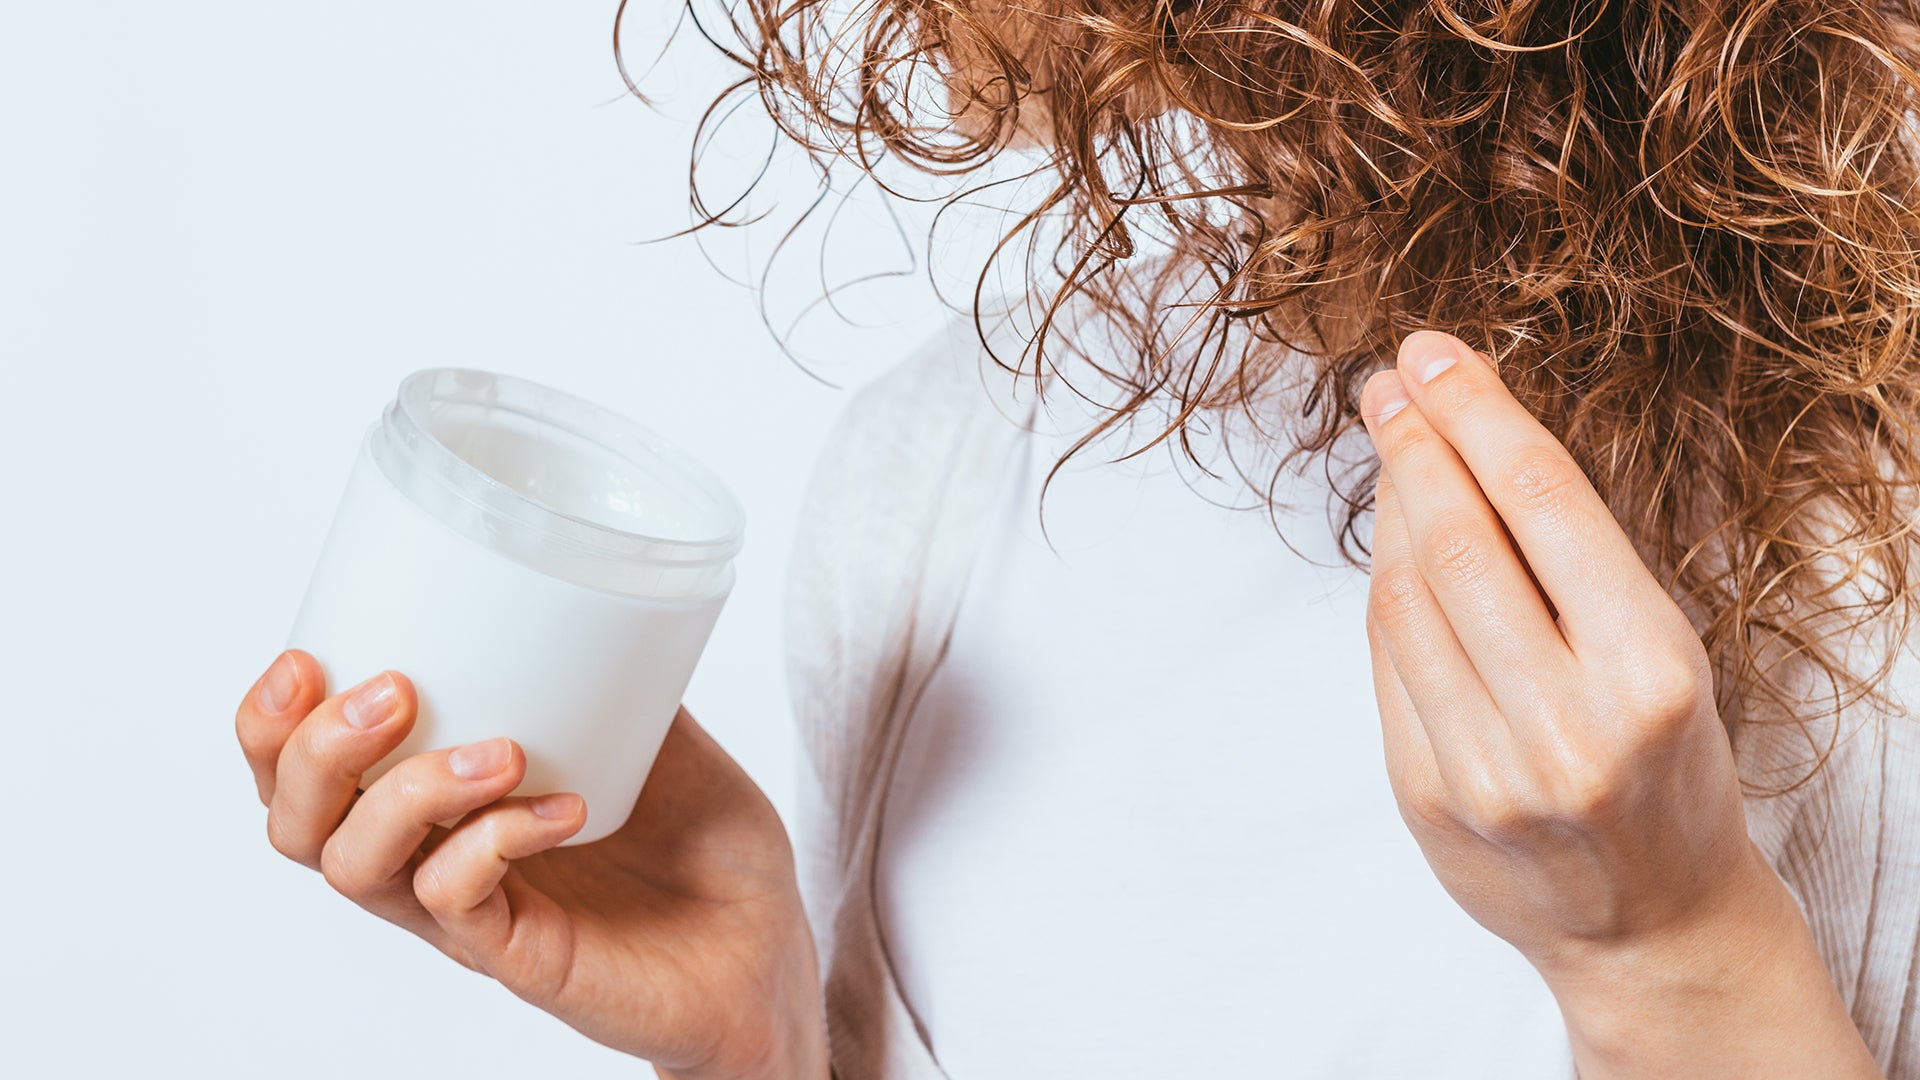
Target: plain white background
x,y
226,231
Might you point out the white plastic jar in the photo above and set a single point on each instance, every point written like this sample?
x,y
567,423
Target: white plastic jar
x,y
540,567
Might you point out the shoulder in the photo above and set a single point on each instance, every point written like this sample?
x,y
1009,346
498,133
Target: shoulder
x,y
944,380
905,450
897,434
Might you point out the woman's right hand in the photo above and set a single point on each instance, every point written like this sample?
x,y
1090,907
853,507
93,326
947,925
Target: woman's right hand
x,y
679,939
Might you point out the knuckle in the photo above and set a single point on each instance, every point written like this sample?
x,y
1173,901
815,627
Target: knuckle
x,y
1493,807
304,756
1543,482
1404,774
1395,597
338,867
432,888
1424,806
1419,794
489,834
1661,691
1589,794
307,747
407,788
415,789
285,841
1457,548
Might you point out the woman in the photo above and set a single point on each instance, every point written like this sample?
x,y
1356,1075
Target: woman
x,y
1621,295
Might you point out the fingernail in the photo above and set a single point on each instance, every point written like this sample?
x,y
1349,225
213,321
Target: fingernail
x,y
477,761
1389,400
557,807
281,684
1425,368
371,703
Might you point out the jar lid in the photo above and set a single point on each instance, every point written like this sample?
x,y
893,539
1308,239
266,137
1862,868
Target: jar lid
x,y
559,483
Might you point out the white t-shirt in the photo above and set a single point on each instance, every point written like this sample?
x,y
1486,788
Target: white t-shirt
x,y
1141,826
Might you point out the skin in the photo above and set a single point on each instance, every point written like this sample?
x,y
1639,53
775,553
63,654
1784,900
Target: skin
x,y
1550,735
679,939
1553,744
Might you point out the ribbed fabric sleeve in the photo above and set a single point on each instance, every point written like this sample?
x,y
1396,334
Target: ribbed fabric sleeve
x,y
1847,840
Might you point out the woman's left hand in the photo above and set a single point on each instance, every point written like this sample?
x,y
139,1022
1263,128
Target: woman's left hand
x,y
1554,744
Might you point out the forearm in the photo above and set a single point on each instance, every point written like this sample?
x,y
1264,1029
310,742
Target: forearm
x,y
1743,995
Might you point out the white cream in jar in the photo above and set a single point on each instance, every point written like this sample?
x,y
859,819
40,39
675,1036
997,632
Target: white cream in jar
x,y
540,568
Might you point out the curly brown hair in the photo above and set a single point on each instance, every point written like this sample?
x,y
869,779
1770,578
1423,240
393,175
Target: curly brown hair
x,y
1685,232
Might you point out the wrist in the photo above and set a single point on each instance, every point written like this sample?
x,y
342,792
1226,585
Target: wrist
x,y
1739,990
796,1049
808,1064
780,1033
1711,954
803,1069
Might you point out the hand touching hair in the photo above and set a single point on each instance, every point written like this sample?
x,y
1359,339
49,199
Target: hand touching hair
x,y
1684,234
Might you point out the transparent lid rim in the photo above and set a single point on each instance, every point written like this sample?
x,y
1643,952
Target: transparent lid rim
x,y
409,437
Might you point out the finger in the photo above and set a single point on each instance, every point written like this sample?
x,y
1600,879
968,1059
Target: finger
x,y
1462,551
512,931
1581,557
282,697
371,857
318,772
1411,768
1465,731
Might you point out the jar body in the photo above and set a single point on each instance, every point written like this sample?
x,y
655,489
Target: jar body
x,y
586,680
